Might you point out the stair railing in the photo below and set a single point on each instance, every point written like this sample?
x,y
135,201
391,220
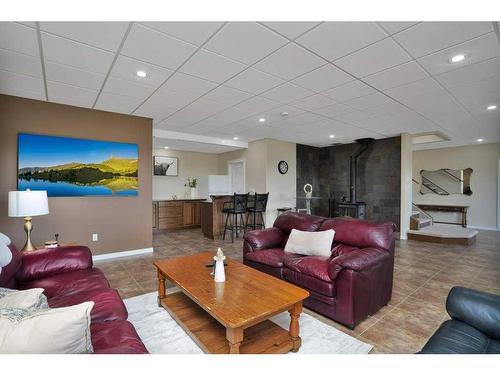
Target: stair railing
x,y
425,213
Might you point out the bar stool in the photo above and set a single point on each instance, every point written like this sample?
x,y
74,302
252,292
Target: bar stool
x,y
238,206
258,207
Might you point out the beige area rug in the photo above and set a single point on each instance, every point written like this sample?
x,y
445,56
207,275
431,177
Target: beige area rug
x,y
162,335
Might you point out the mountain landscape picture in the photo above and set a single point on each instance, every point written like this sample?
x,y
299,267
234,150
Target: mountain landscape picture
x,y
68,167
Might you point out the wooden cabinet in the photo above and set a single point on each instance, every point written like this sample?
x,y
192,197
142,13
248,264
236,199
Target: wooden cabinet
x,y
177,214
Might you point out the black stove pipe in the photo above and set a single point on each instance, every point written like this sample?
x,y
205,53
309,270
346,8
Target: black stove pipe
x,y
365,143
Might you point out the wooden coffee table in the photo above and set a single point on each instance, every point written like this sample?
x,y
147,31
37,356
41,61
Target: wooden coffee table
x,y
230,317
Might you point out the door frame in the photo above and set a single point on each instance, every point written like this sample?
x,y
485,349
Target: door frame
x,y
244,163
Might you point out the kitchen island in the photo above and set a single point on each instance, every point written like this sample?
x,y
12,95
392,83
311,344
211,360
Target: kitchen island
x,y
212,217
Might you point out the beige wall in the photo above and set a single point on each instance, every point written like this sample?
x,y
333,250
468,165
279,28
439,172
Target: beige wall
x,y
191,164
483,159
123,223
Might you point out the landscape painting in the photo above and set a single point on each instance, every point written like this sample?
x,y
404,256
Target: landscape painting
x,y
69,167
165,166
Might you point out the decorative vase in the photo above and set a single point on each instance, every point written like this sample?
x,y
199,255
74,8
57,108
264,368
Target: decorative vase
x,y
193,193
220,275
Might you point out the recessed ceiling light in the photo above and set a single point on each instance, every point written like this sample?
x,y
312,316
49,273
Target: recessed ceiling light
x,y
166,147
332,136
235,138
479,140
141,74
457,58
491,107
262,119
284,113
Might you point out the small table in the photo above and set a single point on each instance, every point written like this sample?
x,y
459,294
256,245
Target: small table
x,y
446,208
233,316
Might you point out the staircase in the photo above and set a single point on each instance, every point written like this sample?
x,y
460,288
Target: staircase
x,y
419,221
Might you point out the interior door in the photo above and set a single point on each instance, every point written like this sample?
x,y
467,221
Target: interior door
x,y
237,173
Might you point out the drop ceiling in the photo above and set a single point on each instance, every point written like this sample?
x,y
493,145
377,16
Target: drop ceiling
x,y
308,80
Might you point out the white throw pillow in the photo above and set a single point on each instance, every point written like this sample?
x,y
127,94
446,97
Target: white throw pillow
x,y
23,299
50,331
4,239
5,255
310,243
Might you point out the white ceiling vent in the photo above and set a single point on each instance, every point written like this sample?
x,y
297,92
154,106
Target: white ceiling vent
x,y
429,137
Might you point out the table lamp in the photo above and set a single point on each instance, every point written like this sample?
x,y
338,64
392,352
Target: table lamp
x,y
27,204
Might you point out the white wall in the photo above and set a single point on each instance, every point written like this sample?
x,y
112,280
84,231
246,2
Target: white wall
x,y
406,185
483,159
191,164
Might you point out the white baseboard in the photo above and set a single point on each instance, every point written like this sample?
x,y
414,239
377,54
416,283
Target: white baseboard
x,y
120,254
483,228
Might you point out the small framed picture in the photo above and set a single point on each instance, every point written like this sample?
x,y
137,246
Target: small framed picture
x,y
165,166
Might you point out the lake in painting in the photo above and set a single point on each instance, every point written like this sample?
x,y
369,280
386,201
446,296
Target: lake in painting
x,y
69,167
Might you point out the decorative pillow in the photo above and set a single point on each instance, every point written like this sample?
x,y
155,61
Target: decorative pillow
x,y
49,331
5,255
4,239
310,243
23,299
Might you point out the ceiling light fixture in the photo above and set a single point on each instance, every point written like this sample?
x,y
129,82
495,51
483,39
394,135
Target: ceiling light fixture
x,y
262,119
284,113
491,107
457,58
479,140
166,147
141,74
235,138
332,136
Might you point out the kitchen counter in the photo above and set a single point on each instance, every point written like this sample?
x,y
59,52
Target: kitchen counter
x,y
177,213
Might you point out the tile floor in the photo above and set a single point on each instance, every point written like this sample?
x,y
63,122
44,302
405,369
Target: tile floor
x,y
423,275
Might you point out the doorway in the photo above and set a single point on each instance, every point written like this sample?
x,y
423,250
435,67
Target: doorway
x,y
236,170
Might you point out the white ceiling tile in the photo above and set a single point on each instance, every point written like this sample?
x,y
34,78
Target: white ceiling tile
x,y
197,111
18,38
211,66
471,73
157,48
424,86
71,95
175,98
313,102
188,83
374,58
291,29
476,50
192,32
106,35
433,104
333,110
280,62
254,81
227,95
323,78
116,103
28,23
66,52
20,63
246,42
21,93
287,93
126,68
393,27
336,39
356,118
73,76
20,83
277,115
351,90
397,76
156,107
428,37
373,100
125,87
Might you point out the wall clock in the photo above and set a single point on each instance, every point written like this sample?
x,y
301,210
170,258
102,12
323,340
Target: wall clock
x,y
283,167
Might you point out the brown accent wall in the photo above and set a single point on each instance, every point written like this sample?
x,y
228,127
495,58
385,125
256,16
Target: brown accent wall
x,y
123,223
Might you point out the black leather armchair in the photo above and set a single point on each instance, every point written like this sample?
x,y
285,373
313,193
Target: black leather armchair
x,y
474,327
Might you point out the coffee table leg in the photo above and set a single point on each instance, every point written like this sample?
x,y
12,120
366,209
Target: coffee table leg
x,y
234,337
161,287
294,326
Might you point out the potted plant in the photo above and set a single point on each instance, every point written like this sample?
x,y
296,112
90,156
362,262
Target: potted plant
x,y
191,183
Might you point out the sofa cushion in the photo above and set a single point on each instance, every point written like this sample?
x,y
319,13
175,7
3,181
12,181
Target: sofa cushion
x,y
310,265
309,282
7,279
271,257
295,220
341,249
108,305
117,337
69,283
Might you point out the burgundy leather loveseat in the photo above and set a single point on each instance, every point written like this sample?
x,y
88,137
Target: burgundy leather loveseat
x,y
351,284
68,278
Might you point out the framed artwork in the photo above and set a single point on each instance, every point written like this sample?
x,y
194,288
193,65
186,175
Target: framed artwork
x,y
71,167
165,166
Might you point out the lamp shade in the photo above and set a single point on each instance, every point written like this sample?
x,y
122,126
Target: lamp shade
x,y
28,203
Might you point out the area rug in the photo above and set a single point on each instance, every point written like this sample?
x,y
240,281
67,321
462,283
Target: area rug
x,y
162,335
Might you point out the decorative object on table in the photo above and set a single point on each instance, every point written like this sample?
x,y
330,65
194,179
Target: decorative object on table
x,y
308,189
191,183
27,204
68,167
220,275
283,167
51,244
166,166
174,197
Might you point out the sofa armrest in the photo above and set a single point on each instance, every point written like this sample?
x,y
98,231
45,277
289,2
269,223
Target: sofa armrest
x,y
263,239
49,262
358,260
478,309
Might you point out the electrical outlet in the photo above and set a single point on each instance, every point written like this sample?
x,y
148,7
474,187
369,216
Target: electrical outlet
x,y
95,237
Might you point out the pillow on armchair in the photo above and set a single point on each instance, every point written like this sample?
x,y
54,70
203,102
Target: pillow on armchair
x,y
23,299
310,243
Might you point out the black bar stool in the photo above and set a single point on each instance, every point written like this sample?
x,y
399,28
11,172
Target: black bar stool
x,y
238,206
258,207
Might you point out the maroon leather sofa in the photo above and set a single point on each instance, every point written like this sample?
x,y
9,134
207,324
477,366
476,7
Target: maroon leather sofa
x,y
68,278
351,284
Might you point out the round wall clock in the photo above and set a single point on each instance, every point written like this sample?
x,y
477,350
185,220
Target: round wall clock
x,y
283,167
